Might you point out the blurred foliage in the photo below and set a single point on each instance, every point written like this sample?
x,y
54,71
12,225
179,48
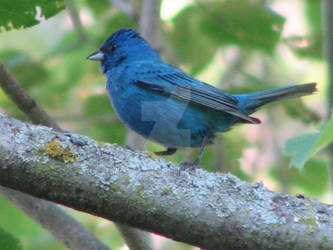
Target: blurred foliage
x,y
313,180
309,45
206,26
301,148
8,241
203,36
27,71
21,13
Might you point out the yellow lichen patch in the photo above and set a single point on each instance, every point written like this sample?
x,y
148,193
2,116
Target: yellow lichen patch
x,y
55,150
247,211
67,156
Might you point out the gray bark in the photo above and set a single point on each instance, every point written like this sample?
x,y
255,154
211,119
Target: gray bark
x,y
209,210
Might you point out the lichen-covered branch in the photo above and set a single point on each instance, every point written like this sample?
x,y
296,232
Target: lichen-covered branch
x,y
209,210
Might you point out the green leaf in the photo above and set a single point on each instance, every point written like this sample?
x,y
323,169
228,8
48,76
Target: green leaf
x,y
298,148
248,24
191,45
301,148
8,241
98,7
325,138
199,30
314,180
16,14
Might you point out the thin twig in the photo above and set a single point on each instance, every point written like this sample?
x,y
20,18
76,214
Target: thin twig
x,y
124,6
23,100
75,18
135,239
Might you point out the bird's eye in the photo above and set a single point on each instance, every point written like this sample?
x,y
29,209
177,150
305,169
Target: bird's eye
x,y
112,48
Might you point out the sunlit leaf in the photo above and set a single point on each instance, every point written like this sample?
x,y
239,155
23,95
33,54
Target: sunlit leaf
x,y
301,148
325,137
21,13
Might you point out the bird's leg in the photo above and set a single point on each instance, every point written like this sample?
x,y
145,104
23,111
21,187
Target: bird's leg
x,y
202,147
169,151
196,163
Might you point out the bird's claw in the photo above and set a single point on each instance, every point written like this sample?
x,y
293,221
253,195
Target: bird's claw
x,y
189,165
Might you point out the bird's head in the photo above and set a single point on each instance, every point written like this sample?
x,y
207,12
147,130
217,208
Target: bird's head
x,y
123,46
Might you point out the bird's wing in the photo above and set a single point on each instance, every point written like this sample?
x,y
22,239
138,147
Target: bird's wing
x,y
171,81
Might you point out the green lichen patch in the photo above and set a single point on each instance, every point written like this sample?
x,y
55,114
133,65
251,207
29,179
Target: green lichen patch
x,y
166,190
55,150
139,189
311,222
114,187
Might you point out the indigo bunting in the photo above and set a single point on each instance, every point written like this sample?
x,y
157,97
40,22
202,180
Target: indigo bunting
x,y
164,104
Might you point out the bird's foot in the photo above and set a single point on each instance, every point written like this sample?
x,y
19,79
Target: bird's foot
x,y
190,165
129,147
169,151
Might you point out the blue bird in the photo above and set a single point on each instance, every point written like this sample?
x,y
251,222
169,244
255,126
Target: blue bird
x,y
166,105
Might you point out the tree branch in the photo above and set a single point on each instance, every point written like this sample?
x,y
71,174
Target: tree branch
x,y
135,239
327,11
55,220
76,21
23,100
205,209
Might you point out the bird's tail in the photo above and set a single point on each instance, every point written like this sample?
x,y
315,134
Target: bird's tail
x,y
250,102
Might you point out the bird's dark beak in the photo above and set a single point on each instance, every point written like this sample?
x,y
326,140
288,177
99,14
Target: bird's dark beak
x,y
96,56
